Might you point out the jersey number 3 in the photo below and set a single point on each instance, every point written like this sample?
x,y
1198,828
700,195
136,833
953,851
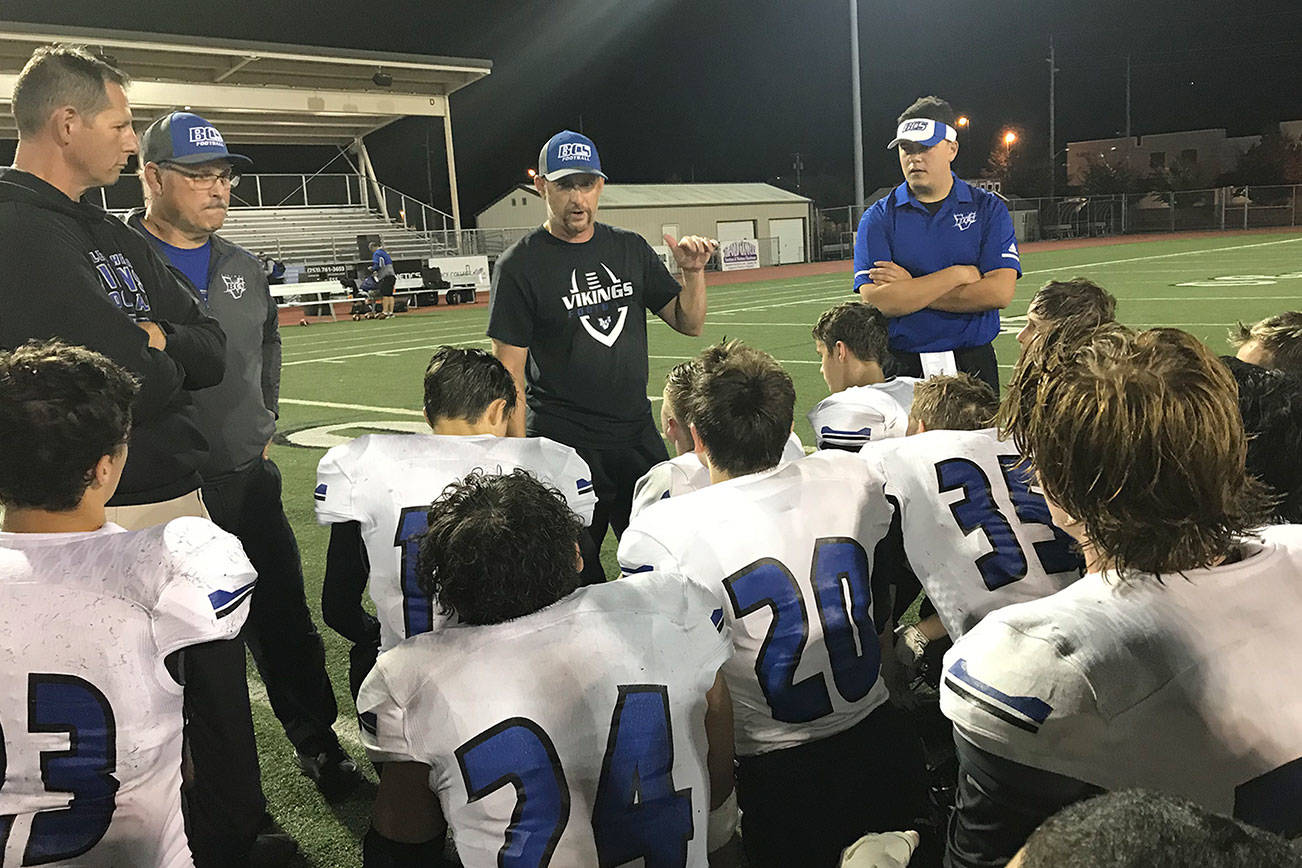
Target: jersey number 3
x,y
70,705
1005,563
637,812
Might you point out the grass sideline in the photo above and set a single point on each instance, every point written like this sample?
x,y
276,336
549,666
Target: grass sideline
x,y
349,376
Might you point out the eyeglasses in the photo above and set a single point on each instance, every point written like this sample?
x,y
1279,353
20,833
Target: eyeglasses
x,y
579,181
206,180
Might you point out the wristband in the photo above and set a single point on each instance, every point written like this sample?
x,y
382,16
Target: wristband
x,y
722,823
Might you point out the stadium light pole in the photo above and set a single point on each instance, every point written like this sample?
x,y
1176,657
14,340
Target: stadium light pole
x,y
856,114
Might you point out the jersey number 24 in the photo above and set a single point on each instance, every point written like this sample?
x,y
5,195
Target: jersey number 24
x,y
637,812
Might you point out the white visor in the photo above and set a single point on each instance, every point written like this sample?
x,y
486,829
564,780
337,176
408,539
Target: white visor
x,y
924,132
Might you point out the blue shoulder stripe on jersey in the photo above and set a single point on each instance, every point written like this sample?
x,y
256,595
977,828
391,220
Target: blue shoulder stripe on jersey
x,y
864,433
717,617
1024,712
584,485
319,492
630,571
225,602
368,721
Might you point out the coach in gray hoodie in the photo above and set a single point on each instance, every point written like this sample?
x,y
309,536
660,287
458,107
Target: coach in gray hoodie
x,y
187,174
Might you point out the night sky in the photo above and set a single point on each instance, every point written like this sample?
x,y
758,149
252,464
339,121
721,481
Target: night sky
x,y
729,90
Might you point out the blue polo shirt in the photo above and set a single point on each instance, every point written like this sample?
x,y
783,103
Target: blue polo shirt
x,y
972,227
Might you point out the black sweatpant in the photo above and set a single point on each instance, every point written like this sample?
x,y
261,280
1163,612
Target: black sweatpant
x,y
614,473
280,633
803,805
980,362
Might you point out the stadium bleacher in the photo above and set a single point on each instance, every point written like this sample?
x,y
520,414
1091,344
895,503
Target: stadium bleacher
x,y
308,235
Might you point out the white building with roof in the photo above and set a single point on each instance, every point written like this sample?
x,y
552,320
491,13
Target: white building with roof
x,y
781,220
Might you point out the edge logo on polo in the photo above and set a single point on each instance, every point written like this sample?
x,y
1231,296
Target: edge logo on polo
x,y
962,222
593,303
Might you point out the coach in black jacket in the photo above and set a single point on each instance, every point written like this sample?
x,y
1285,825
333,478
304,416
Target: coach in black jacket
x,y
70,271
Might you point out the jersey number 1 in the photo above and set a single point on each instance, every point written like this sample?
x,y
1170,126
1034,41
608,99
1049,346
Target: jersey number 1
x,y
417,607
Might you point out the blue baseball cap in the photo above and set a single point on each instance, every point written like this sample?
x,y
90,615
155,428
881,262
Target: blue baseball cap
x,y
923,131
186,138
569,153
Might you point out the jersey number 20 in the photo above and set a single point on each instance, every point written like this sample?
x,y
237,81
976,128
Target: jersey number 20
x,y
843,601
637,812
70,705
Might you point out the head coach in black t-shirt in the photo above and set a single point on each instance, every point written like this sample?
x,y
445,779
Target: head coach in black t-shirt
x,y
567,317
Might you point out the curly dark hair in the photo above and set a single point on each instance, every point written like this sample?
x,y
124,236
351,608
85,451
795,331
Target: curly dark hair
x,y
1138,827
461,382
1137,435
499,547
861,327
62,408
1079,298
1270,402
742,405
954,402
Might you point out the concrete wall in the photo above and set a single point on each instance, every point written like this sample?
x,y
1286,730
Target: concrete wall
x,y
513,210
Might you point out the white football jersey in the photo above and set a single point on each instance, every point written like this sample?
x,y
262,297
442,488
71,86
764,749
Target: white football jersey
x,y
899,388
386,482
1191,686
91,718
850,418
977,532
576,733
786,554
685,473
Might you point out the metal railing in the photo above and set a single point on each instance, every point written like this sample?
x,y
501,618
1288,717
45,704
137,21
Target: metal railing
x,y
1220,208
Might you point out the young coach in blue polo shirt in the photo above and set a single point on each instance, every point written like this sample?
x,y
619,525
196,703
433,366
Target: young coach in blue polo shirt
x,y
937,256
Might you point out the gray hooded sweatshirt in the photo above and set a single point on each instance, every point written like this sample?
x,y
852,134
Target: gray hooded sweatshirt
x,y
238,416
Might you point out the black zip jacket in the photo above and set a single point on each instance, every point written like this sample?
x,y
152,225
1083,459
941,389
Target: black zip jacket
x,y
71,271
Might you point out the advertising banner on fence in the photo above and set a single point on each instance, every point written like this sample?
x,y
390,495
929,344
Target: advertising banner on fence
x,y
463,270
738,254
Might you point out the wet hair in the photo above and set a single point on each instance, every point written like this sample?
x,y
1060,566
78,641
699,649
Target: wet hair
x,y
1079,298
678,389
861,327
954,402
461,382
62,409
1137,435
933,108
1142,829
742,404
499,547
59,75
1270,402
1279,335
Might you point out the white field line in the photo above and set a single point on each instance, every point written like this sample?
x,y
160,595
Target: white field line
x,y
402,411
1163,256
342,340
385,352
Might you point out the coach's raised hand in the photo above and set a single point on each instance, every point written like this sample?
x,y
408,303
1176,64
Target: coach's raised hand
x,y
691,252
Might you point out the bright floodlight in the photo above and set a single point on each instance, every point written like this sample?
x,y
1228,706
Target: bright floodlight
x,y
963,121
532,173
1010,137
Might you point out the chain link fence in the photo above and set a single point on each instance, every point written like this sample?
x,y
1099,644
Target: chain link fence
x,y
1220,208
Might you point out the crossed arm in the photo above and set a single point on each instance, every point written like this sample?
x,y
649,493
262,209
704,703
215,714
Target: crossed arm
x,y
956,289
